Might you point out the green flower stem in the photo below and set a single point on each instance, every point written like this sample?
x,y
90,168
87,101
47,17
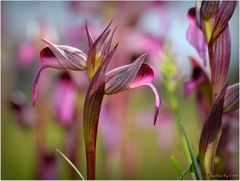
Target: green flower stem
x,y
187,145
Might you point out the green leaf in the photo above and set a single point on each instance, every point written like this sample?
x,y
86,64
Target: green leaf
x,y
71,164
176,164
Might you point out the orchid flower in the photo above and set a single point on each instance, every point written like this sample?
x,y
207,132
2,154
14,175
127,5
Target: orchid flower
x,y
214,19
95,62
214,23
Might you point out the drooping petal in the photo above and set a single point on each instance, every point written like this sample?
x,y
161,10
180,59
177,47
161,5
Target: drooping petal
x,y
93,58
195,36
132,76
224,14
197,78
58,57
210,135
231,99
222,52
209,9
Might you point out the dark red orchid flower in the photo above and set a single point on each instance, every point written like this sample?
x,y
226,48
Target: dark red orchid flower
x,y
95,62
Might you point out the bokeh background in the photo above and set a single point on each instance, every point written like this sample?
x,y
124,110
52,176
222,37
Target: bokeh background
x,y
129,146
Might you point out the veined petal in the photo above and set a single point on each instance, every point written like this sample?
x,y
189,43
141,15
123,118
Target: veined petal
x,y
69,58
93,59
89,36
224,14
209,9
231,99
195,36
107,45
58,57
120,78
210,135
92,104
132,76
222,52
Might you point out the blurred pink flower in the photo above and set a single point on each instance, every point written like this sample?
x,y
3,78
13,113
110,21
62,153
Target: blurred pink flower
x,y
27,54
24,114
47,168
195,36
64,99
110,131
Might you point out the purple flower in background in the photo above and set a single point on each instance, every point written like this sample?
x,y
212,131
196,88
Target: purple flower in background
x,y
47,165
27,54
65,95
195,36
25,115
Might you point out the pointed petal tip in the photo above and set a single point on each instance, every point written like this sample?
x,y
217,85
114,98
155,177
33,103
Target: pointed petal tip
x,y
44,40
144,55
156,115
157,101
47,42
34,95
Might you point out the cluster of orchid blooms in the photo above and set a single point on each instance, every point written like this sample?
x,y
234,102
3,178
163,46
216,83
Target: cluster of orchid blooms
x,y
208,33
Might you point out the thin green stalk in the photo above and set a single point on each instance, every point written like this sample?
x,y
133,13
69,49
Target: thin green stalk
x,y
175,109
71,164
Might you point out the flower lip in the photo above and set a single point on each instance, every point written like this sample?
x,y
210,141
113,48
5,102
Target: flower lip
x,y
131,76
46,53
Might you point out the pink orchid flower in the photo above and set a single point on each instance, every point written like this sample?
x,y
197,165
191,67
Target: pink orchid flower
x,y
95,62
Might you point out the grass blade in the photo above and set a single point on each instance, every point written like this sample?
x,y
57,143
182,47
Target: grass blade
x,y
71,164
176,164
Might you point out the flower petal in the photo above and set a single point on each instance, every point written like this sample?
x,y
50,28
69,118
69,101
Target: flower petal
x,y
195,36
222,52
92,104
89,36
58,57
231,99
119,79
93,58
209,9
132,76
210,135
69,58
224,14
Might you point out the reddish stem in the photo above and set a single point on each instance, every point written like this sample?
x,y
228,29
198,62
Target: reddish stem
x,y
91,164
